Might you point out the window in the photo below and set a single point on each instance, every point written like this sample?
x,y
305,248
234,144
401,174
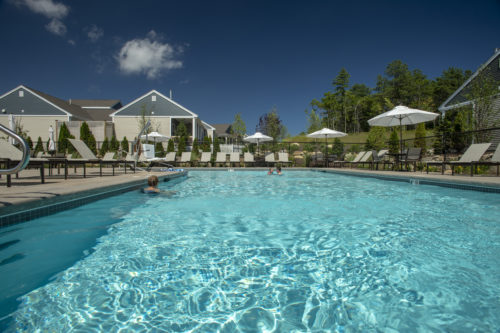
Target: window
x,y
153,98
21,93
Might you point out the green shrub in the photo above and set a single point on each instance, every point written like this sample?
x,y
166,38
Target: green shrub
x,y
159,151
39,145
104,146
170,146
114,145
420,137
376,138
338,147
124,144
394,142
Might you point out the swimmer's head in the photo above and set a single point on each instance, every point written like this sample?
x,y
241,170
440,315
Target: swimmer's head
x,y
153,180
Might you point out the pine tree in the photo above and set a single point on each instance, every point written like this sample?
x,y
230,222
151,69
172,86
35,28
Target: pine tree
x,y
29,142
125,144
420,137
159,151
170,146
216,145
114,145
39,145
104,146
394,142
63,144
206,144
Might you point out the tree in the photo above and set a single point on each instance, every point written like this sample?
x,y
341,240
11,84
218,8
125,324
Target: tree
x,y
159,151
238,127
114,145
206,144
104,146
446,84
216,145
314,121
396,85
124,144
87,137
420,135
338,147
39,145
29,142
270,124
341,84
376,138
195,149
170,146
63,144
394,142
182,135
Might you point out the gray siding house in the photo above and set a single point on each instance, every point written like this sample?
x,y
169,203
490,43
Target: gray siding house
x,y
164,113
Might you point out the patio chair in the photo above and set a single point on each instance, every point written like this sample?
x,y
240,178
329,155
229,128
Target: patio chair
x,y
356,159
413,155
495,160
380,158
10,156
109,158
269,159
234,158
283,158
206,157
248,158
88,157
471,156
221,158
186,157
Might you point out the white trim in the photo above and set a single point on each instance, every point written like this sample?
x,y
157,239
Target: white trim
x,y
155,116
33,115
40,97
442,107
147,94
95,107
207,125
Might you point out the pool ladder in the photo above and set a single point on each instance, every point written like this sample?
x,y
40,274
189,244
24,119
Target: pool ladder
x,y
26,152
414,181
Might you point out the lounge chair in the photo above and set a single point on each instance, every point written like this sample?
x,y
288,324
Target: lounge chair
x,y
221,158
283,158
470,158
234,158
363,159
206,157
495,160
413,155
109,158
10,156
356,159
269,159
169,158
186,157
87,157
248,158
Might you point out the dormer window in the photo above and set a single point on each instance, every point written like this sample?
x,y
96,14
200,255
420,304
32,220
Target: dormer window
x,y
21,93
153,98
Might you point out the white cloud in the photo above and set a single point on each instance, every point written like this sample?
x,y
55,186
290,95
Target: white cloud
x,y
48,8
71,42
55,11
56,27
94,33
148,56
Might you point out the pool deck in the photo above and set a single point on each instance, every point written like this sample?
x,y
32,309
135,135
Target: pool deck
x,y
27,191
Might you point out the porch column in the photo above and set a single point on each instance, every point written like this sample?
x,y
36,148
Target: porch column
x,y
194,128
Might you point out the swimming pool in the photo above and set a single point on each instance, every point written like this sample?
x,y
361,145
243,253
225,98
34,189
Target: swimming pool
x,y
242,251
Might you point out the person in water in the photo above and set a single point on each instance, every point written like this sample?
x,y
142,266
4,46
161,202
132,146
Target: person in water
x,y
153,185
271,171
278,169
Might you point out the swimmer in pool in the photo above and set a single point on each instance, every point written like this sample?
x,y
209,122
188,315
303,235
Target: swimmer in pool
x,y
153,185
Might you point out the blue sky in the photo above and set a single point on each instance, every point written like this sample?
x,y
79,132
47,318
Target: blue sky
x,y
225,57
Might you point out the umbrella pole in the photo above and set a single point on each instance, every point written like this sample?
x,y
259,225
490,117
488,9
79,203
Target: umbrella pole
x,y
326,152
400,136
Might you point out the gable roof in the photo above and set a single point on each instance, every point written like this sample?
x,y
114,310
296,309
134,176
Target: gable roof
x,y
459,97
207,125
98,109
223,130
37,103
161,107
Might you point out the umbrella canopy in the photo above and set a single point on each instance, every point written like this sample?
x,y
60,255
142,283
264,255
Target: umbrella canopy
x,y
256,138
52,144
326,133
154,136
399,116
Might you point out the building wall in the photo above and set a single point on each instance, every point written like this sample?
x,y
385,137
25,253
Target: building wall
x,y
100,129
129,126
36,126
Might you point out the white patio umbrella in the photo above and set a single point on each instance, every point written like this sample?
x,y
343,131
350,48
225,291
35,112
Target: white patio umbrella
x,y
256,138
326,133
52,144
399,116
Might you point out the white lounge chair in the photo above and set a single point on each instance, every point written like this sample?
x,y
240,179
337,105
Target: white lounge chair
x,y
283,158
471,157
221,158
186,157
206,157
248,158
234,158
270,159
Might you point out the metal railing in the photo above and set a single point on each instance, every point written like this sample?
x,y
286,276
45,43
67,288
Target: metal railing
x,y
26,153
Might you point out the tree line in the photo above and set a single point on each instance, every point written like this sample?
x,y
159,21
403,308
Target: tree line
x,y
348,107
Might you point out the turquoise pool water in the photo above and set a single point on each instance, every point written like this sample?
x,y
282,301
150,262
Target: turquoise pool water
x,y
243,251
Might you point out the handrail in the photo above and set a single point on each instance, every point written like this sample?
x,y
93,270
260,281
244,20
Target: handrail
x,y
26,153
